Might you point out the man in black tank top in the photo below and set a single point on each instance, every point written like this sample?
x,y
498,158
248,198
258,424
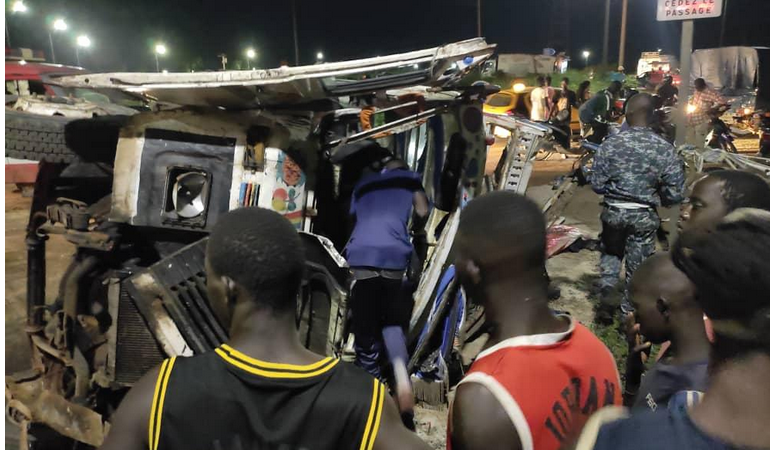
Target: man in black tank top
x,y
262,390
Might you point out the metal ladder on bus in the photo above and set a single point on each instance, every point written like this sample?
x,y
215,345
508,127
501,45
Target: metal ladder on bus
x,y
523,144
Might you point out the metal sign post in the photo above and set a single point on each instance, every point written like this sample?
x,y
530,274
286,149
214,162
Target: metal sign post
x,y
684,75
687,11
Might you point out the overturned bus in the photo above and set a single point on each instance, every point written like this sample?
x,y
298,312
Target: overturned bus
x,y
139,194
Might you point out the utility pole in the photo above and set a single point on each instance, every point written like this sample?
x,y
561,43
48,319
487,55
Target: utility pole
x,y
478,18
724,24
606,47
294,26
684,87
622,57
53,54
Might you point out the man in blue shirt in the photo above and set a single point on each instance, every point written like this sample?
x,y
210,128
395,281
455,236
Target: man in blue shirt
x,y
379,252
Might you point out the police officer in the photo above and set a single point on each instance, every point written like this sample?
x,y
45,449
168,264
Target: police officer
x,y
635,171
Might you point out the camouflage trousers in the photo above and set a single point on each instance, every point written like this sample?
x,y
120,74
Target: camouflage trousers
x,y
626,234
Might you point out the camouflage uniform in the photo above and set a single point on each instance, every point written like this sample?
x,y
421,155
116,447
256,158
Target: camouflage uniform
x,y
636,171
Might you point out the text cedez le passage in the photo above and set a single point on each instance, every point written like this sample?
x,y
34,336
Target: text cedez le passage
x,y
688,7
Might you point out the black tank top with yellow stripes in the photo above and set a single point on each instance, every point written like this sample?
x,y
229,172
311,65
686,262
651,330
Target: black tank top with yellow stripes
x,y
225,400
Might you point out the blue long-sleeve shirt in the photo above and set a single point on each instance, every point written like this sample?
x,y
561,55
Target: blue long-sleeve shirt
x,y
382,204
638,166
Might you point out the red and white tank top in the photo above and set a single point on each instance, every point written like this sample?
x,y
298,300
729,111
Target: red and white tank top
x,y
549,384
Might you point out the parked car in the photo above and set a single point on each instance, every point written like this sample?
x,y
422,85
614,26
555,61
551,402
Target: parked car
x,y
653,67
147,190
517,102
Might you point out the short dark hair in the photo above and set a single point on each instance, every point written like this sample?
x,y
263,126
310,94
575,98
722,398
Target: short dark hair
x,y
540,81
565,79
699,83
615,86
503,228
729,270
743,189
261,252
659,274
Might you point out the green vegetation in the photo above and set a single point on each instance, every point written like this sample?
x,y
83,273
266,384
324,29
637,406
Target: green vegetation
x,y
615,340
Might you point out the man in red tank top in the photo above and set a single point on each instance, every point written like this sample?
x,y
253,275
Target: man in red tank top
x,y
541,376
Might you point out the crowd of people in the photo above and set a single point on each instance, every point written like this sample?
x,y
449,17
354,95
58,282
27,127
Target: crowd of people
x,y
597,111
543,381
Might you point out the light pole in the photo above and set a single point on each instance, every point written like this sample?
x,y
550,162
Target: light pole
x,y
724,22
319,57
623,21
18,7
294,29
58,25
606,46
478,18
84,42
586,54
161,50
250,55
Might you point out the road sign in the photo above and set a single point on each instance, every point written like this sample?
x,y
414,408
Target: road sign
x,y
688,9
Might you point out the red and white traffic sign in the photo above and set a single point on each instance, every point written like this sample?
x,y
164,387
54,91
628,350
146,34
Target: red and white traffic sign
x,y
688,9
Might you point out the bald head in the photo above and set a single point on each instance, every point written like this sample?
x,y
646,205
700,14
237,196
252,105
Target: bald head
x,y
639,110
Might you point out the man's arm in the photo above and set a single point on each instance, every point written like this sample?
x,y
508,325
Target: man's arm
x,y
600,172
672,180
129,425
479,422
419,219
719,100
393,435
634,361
421,210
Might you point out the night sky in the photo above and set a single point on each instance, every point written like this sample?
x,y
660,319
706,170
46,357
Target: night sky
x,y
195,32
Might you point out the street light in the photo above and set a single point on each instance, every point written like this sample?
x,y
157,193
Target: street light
x,y
250,55
58,25
84,42
17,7
160,49
319,56
586,54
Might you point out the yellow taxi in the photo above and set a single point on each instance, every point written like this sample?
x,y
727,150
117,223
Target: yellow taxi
x,y
517,102
514,101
